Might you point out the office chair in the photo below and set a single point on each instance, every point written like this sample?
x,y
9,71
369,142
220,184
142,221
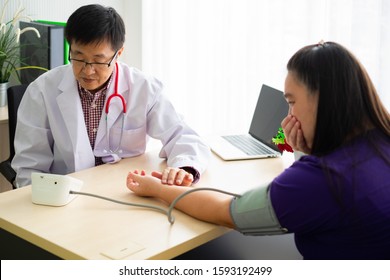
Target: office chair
x,y
14,95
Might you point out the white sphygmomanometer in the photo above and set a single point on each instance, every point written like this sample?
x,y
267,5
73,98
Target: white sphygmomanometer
x,y
252,212
53,189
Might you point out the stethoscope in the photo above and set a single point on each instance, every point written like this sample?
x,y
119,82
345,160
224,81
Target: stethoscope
x,y
115,94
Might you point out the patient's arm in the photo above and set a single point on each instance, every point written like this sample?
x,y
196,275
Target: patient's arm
x,y
204,205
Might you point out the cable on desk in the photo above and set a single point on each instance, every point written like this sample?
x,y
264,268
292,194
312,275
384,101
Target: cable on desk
x,y
168,212
122,202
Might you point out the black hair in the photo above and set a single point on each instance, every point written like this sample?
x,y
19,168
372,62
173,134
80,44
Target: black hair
x,y
95,24
348,104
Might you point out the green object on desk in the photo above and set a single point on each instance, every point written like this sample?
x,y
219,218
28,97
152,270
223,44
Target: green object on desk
x,y
280,141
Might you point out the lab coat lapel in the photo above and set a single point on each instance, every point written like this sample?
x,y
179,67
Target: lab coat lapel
x,y
70,108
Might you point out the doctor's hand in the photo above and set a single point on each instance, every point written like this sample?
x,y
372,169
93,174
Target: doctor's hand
x,y
174,176
294,135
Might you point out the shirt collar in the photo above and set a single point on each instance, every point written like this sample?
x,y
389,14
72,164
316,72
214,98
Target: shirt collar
x,y
83,91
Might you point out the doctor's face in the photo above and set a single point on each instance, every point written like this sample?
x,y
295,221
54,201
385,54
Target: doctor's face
x,y
93,76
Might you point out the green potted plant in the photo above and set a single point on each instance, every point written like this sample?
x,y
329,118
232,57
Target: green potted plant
x,y
10,61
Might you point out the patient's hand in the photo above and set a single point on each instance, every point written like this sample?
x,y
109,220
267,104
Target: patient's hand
x,y
143,185
294,135
148,185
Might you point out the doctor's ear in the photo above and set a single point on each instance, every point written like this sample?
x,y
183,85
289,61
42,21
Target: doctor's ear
x,y
120,51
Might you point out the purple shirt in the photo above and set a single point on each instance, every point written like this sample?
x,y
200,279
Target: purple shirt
x,y
338,205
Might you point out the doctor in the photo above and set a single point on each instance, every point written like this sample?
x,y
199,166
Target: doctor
x,y
97,110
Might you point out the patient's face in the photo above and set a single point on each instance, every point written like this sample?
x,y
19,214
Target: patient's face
x,y
302,105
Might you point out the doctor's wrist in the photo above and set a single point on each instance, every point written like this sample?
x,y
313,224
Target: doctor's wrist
x,y
195,173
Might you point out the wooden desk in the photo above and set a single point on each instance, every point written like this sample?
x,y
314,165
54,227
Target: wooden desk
x,y
90,228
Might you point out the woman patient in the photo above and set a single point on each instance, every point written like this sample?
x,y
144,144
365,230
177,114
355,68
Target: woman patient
x,y
336,199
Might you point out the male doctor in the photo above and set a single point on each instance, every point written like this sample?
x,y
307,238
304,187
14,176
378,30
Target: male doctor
x,y
68,122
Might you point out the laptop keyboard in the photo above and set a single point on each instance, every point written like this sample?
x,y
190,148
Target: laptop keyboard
x,y
247,144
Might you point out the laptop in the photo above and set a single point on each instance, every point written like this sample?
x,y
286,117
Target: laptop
x,y
270,110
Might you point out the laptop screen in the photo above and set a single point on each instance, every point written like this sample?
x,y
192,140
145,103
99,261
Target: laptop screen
x,y
270,110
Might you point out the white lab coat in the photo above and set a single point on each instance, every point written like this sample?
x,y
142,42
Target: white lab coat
x,y
51,136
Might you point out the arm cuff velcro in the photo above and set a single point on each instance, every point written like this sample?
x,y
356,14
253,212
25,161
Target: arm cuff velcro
x,y
253,213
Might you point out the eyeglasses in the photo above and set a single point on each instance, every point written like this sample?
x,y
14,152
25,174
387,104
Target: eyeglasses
x,y
94,65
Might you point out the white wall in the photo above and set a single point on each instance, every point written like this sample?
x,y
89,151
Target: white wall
x,y
54,10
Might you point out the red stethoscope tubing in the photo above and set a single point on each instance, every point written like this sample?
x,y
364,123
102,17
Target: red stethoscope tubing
x,y
116,94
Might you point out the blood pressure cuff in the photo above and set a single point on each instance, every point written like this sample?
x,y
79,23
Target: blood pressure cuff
x,y
253,213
